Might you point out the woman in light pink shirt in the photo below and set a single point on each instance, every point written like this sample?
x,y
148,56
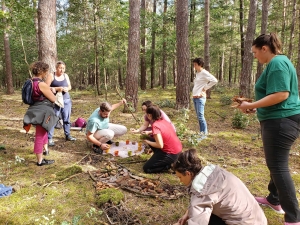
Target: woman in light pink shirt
x,y
146,127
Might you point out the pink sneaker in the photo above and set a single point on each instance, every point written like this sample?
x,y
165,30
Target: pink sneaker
x,y
264,201
286,223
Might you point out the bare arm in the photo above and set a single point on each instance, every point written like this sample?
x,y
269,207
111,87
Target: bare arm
x,y
269,100
142,128
114,106
66,89
159,143
90,137
47,92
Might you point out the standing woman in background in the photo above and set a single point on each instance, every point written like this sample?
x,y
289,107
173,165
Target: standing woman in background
x,y
278,110
202,82
60,82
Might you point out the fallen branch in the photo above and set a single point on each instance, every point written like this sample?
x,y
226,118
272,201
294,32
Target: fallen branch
x,y
59,182
131,162
118,92
93,178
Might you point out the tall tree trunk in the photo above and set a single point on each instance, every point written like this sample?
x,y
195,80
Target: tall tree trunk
x,y
192,25
263,30
8,67
120,69
96,51
245,82
206,42
153,33
143,45
242,29
298,57
283,26
221,68
36,22
183,55
292,32
164,48
174,72
133,59
47,32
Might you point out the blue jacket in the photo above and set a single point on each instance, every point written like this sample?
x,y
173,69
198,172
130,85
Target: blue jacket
x,y
41,113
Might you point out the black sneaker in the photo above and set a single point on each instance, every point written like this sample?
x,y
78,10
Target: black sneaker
x,y
97,149
70,138
45,162
110,142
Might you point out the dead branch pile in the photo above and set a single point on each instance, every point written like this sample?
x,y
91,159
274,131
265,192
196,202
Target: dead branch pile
x,y
118,176
119,215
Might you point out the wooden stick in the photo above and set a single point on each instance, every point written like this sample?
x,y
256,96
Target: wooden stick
x,y
118,92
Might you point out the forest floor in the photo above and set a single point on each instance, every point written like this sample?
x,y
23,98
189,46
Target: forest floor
x,y
40,197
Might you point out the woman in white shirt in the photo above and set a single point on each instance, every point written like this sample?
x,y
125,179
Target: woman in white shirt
x,y
202,82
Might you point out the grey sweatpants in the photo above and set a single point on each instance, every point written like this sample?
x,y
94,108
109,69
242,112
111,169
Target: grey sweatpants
x,y
105,135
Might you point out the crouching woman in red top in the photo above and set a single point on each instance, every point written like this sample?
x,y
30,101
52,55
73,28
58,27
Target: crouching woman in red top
x,y
166,145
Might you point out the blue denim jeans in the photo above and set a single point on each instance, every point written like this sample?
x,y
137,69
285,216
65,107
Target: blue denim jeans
x,y
199,104
65,116
278,135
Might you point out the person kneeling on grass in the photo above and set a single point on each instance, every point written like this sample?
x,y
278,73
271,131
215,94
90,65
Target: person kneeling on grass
x,y
217,196
98,129
165,144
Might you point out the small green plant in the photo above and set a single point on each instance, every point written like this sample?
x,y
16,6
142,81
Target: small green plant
x,y
225,100
61,175
239,120
166,103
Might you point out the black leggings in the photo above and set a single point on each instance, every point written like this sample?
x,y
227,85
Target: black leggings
x,y
159,162
215,220
278,135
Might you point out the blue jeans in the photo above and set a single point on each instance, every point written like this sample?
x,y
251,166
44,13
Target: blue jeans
x,y
278,135
65,116
199,104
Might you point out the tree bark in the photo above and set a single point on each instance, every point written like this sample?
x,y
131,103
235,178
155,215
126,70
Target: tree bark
x,y
206,42
153,33
292,31
47,32
8,66
283,26
133,59
164,48
183,55
143,45
298,57
263,30
245,82
242,36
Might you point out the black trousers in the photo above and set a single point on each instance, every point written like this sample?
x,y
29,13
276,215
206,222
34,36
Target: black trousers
x,y
278,135
215,220
160,161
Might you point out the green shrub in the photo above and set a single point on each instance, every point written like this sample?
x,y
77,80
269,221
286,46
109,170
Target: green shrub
x,y
166,103
239,120
225,100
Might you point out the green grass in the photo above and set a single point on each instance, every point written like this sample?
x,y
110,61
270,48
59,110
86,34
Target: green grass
x,y
41,194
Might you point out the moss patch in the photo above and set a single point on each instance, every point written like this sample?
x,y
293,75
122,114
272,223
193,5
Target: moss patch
x,y
109,195
68,172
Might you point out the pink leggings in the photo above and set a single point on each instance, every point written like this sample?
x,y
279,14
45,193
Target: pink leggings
x,y
41,138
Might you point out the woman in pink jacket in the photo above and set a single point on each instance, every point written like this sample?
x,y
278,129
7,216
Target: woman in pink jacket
x,y
217,196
